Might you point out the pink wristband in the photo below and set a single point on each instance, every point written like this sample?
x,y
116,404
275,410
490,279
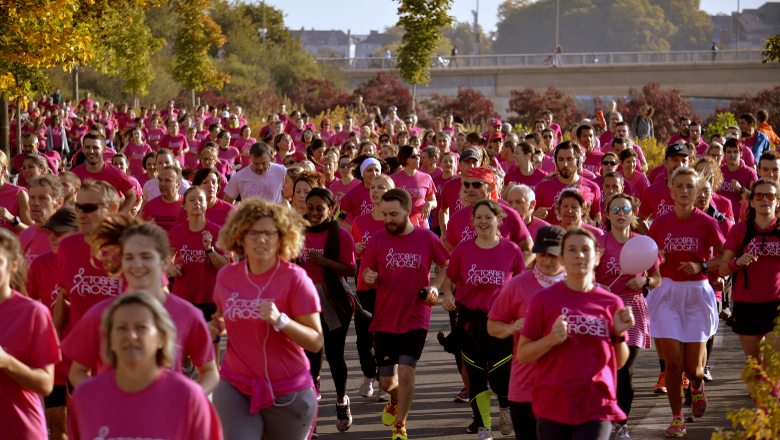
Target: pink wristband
x,y
733,265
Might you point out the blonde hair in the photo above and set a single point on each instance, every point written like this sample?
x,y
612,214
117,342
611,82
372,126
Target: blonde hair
x,y
683,171
387,179
212,151
109,237
107,192
13,250
291,227
162,320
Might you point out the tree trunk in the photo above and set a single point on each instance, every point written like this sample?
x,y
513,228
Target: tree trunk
x,y
5,141
75,75
192,99
414,97
18,127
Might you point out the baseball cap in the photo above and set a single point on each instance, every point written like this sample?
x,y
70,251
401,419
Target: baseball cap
x,y
471,153
548,240
496,136
392,107
54,155
495,123
63,220
676,150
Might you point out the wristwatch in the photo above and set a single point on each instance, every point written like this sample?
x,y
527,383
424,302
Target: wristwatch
x,y
283,321
16,221
210,250
704,266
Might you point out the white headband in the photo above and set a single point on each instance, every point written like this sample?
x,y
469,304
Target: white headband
x,y
368,162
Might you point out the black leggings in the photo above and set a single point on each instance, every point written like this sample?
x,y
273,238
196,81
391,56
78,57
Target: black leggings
x,y
333,348
365,338
710,343
453,324
482,367
523,420
592,430
625,381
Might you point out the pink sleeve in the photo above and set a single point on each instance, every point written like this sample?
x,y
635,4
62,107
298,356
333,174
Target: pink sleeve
x,y
715,236
645,210
504,307
369,256
303,297
440,253
734,239
346,248
518,265
82,344
450,238
125,184
204,420
453,269
534,327
46,349
198,344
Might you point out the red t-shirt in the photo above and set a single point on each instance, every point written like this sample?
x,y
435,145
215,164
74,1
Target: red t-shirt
x,y
548,191
420,187
763,275
100,409
316,242
686,240
479,274
163,213
577,379
461,227
29,336
404,264
199,274
110,174
356,202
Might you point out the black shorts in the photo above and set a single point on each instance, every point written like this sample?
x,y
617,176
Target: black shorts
x,y
753,319
56,398
208,309
390,347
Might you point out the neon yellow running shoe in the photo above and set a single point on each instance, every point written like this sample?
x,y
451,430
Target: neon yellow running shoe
x,y
389,413
676,429
399,432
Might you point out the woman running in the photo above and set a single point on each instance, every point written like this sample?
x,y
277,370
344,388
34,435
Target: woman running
x,y
357,201
419,185
304,183
684,238
448,166
576,333
270,308
570,208
620,224
213,184
477,271
139,344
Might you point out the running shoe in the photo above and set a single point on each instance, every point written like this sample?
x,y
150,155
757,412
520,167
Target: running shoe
x,y
621,432
367,387
698,402
314,434
707,373
472,428
463,397
676,429
660,387
343,415
382,395
399,432
505,421
389,413
317,389
484,434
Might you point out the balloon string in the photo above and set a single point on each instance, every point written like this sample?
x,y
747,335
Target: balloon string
x,y
613,283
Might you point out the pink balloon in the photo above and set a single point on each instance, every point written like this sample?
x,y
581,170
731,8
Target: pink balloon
x,y
638,255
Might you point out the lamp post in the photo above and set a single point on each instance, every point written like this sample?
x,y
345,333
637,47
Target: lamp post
x,y
476,28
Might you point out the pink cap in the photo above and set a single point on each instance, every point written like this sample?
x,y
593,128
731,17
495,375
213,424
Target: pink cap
x,y
53,154
495,123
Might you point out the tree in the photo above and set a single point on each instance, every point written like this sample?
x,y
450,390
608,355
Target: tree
x,y
384,90
765,99
196,34
529,106
318,95
772,49
668,106
462,35
693,27
423,21
469,104
639,25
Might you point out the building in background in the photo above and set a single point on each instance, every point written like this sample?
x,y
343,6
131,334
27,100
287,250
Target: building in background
x,y
367,47
755,26
327,44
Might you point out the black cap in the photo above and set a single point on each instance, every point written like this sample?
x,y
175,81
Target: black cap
x,y
548,240
63,220
471,153
677,150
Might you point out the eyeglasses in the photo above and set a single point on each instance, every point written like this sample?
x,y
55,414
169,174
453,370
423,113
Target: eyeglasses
x,y
475,185
57,234
769,196
349,147
344,165
87,208
609,164
546,137
414,156
617,210
267,235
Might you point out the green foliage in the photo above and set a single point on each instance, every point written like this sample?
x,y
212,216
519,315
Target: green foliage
x,y
772,49
639,25
653,150
462,35
693,27
723,121
196,34
423,21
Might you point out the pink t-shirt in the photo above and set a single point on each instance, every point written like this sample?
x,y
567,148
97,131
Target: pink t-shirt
x,y
519,178
510,305
199,274
83,277
243,146
316,242
191,156
99,409
356,202
608,271
763,275
744,175
723,205
326,135
176,144
436,173
548,191
461,227
363,228
9,200
438,181
252,341
110,174
548,164
216,214
450,196
639,184
135,156
231,155
341,137
35,242
534,226
577,379
404,264
655,172
163,213
29,336
41,285
420,187
686,240
479,274
339,190
656,200
56,136
155,136
593,161
247,184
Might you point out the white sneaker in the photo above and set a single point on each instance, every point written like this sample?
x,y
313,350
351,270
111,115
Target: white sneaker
x,y
505,421
367,387
484,434
382,395
621,432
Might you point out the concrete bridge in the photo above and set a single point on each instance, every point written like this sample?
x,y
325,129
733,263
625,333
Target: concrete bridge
x,y
696,74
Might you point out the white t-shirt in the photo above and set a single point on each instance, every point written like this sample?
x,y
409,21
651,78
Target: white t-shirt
x,y
268,187
152,188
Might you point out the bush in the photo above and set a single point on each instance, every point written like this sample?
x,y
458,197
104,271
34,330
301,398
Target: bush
x,y
318,95
765,99
529,106
653,151
469,104
720,123
385,90
667,104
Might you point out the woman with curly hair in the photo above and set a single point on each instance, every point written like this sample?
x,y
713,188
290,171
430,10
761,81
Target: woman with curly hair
x,y
271,310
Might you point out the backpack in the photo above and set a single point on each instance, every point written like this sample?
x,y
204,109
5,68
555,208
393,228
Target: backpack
x,y
751,233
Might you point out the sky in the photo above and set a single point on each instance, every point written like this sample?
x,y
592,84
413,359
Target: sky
x,y
362,16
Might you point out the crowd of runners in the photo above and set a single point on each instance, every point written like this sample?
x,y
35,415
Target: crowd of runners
x,y
132,243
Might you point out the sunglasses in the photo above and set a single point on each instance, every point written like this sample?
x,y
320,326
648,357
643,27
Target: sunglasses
x,y
344,165
618,209
769,196
57,234
349,148
414,156
475,185
546,137
609,164
87,208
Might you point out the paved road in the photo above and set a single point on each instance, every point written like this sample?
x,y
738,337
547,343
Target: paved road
x,y
435,415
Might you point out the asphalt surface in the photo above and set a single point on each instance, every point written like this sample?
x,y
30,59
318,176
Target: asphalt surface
x,y
434,414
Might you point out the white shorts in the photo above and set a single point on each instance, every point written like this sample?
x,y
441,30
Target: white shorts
x,y
683,310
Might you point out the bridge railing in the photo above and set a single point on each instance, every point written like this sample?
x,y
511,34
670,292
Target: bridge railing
x,y
550,60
